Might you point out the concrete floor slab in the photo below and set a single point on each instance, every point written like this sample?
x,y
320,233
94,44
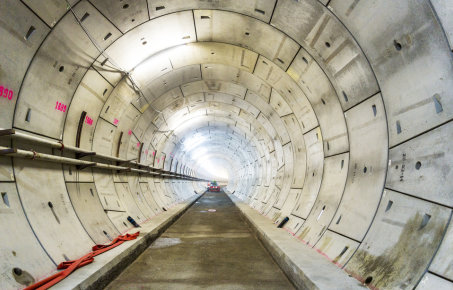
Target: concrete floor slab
x,y
205,250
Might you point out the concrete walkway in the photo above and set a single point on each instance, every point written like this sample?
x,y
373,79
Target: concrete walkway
x,y
205,249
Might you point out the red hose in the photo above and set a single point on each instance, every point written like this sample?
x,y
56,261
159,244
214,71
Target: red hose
x,y
71,266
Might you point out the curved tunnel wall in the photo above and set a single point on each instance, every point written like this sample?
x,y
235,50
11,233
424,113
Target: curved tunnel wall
x,y
337,116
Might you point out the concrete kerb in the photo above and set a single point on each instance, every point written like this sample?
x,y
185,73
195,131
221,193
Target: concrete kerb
x,y
305,268
109,265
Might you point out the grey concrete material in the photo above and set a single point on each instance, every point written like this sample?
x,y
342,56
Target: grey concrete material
x,y
331,44
260,9
337,248
318,274
411,226
245,31
431,281
422,166
45,201
444,9
180,31
205,249
443,261
54,77
12,68
19,247
328,199
313,174
367,168
124,17
109,264
397,44
89,97
88,208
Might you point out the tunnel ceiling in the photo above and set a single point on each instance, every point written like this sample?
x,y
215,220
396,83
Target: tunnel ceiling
x,y
329,112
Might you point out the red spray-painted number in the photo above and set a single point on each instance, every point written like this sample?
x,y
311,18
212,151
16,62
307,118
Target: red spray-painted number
x,y
60,107
6,93
88,120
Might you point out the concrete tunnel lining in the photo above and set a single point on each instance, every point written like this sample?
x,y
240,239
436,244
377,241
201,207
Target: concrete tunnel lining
x,y
336,114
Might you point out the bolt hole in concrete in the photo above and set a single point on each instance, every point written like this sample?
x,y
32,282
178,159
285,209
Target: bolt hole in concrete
x,y
125,6
397,45
368,280
418,165
61,69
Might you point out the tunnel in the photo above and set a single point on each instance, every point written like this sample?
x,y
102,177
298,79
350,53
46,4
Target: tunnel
x,y
328,124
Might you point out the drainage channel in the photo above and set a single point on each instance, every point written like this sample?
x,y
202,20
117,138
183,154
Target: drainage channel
x,y
211,246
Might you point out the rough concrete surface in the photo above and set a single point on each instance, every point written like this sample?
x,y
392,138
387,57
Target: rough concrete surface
x,y
205,249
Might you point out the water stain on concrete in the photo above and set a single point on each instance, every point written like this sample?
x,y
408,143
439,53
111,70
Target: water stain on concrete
x,y
400,266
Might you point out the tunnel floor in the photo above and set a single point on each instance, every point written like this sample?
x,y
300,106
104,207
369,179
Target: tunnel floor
x,y
205,249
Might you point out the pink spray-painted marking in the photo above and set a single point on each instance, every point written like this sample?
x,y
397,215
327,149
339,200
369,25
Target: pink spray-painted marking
x,y
115,121
88,120
154,153
130,132
138,144
6,93
60,107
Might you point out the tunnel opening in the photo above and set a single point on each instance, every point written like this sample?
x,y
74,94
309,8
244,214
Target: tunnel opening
x,y
328,124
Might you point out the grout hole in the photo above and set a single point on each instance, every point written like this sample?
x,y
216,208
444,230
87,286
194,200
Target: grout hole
x,y
205,17
398,127
91,191
28,115
338,220
374,110
389,206
50,204
365,169
133,20
160,8
425,221
281,61
247,33
106,110
305,60
418,165
345,97
260,11
107,36
105,91
84,17
397,45
368,280
30,32
125,6
61,69
5,198
144,42
344,251
327,44
104,61
124,224
437,103
342,164
323,102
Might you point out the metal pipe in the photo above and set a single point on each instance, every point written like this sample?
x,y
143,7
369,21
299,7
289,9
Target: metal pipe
x,y
19,153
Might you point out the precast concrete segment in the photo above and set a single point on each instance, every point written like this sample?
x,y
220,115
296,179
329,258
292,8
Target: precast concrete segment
x,y
209,246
